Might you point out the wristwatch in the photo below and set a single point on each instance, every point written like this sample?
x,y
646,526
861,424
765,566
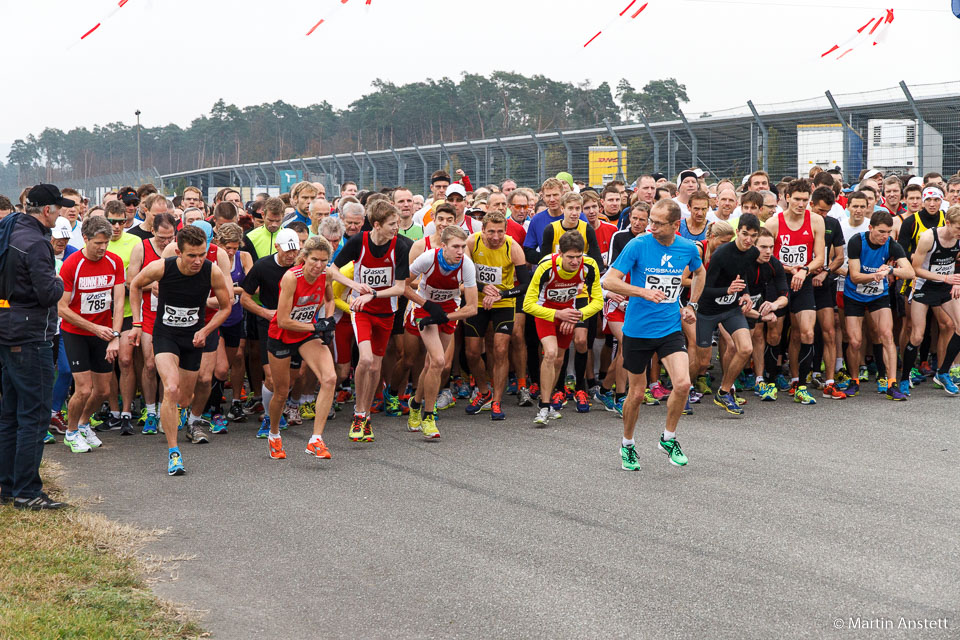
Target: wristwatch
x,y
693,305
116,334
806,268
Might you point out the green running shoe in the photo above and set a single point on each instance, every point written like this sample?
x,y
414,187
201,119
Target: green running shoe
x,y
768,392
672,449
96,422
413,420
49,439
649,400
702,385
803,396
628,458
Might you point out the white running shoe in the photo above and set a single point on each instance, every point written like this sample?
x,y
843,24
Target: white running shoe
x,y
445,399
76,442
543,415
90,437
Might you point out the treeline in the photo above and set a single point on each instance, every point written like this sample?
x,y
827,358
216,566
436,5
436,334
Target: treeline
x,y
417,113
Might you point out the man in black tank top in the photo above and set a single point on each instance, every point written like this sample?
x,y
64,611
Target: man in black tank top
x,y
179,333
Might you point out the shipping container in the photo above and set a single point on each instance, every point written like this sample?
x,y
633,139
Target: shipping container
x,y
828,146
894,147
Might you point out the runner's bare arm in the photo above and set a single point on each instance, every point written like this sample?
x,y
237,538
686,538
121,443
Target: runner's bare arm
x,y
469,309
613,281
288,285
218,282
77,320
819,250
247,302
334,272
152,273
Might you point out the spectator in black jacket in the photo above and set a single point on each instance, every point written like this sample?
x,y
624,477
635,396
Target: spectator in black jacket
x,y
30,291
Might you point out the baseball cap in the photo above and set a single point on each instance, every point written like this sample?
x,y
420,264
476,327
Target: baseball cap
x,y
129,196
566,177
870,174
932,192
915,180
288,240
61,229
700,172
659,176
456,188
48,195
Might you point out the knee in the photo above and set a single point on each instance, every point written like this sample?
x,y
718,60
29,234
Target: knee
x,y
549,355
171,390
681,382
365,361
328,379
580,343
126,361
806,336
855,342
149,366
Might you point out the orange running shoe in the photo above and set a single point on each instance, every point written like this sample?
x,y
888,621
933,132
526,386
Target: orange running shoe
x,y
318,449
831,391
276,448
367,431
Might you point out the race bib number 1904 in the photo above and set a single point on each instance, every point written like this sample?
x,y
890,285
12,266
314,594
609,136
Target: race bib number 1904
x,y
378,277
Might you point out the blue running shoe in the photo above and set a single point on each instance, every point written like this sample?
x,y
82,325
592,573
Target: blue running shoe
x,y
943,381
49,438
688,410
150,425
184,413
608,400
218,424
512,386
728,403
853,389
175,464
916,377
619,405
905,387
283,423
782,382
881,385
264,428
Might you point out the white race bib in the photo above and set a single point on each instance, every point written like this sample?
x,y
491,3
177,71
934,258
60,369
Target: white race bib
x,y
793,256
489,275
942,269
669,285
96,302
870,288
378,277
566,294
440,295
180,317
304,314
730,298
755,300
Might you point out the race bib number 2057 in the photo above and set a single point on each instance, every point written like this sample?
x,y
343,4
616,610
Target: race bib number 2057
x,y
669,285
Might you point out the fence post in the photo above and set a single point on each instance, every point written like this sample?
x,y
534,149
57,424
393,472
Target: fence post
x,y
373,168
444,152
920,124
836,110
343,174
671,155
656,143
426,170
506,157
566,145
764,133
693,139
541,158
276,172
401,167
476,159
613,134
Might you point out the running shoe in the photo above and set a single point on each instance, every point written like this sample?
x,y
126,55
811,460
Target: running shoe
x,y
740,401
728,403
524,399
535,391
916,377
793,387
619,405
554,414
110,424
254,404
291,412
583,402
413,420
142,420
308,410
496,412
480,402
276,448
842,377
926,370
184,414
558,400
95,422
802,396
864,373
195,432
687,409
391,404
650,400
943,381
628,458
175,464
332,414
893,393
853,389
150,425
58,424
76,442
543,415
283,423
672,448
783,383
356,429
236,412
659,391
881,385
377,406
318,449
126,425
768,392
218,424
694,397
955,371
831,391
815,381
445,399
512,386
264,430
367,431
344,396
49,438
608,400
90,437
702,385
428,427
570,382
905,387
464,390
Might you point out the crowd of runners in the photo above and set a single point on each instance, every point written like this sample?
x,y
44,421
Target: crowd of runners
x,y
179,315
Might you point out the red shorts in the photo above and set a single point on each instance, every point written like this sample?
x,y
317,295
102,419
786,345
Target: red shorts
x,y
840,300
148,318
545,329
418,313
343,340
373,329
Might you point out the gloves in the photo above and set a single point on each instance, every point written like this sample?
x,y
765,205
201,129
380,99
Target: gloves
x,y
434,319
325,328
435,310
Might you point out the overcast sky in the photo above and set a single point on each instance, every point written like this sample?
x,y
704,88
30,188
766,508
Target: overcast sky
x,y
173,59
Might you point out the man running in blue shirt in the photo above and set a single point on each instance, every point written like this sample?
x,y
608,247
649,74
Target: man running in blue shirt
x,y
654,263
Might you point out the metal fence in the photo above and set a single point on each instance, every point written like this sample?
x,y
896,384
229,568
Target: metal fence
x,y
903,130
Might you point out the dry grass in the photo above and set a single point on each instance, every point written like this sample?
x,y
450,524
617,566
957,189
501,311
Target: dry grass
x,y
77,574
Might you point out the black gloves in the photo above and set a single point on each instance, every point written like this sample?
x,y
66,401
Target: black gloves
x,y
325,328
441,319
435,310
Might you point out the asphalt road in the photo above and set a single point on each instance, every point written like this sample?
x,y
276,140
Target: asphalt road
x,y
784,522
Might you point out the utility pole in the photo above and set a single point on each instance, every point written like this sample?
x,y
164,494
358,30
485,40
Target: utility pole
x,y
139,163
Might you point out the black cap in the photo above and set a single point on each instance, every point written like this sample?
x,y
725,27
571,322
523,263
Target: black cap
x,y
45,195
659,176
129,196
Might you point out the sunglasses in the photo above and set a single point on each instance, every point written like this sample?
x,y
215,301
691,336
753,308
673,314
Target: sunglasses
x,y
116,220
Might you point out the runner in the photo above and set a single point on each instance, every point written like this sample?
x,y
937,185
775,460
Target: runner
x,y
442,270
769,293
652,322
92,313
865,290
695,227
825,294
180,334
230,361
552,299
496,257
301,329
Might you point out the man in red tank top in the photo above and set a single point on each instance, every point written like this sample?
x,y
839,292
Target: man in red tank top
x,y
381,267
799,245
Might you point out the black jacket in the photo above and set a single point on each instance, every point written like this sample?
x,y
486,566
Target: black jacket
x,y
34,288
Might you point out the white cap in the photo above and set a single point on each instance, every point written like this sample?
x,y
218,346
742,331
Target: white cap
x,y
915,180
61,229
288,240
700,172
456,187
932,192
870,174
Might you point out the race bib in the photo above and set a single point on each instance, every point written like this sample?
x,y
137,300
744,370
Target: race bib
x,y
489,275
378,277
730,298
236,298
304,314
153,303
669,285
441,295
566,294
96,302
756,300
942,269
793,256
870,288
180,317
